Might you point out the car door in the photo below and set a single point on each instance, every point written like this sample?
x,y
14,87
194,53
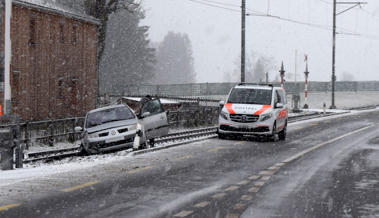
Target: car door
x,y
154,119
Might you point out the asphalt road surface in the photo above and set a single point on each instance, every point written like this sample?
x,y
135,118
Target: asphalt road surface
x,y
327,167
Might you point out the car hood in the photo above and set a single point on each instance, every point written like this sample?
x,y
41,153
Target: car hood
x,y
110,125
254,109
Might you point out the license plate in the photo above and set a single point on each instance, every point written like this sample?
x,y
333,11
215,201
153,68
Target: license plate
x,y
243,127
114,139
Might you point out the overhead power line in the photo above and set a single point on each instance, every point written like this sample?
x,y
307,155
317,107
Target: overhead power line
x,y
341,31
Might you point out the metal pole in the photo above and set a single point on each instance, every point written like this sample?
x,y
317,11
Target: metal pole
x,y
243,41
7,59
333,53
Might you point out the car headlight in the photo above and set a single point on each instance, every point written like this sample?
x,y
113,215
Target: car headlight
x,y
88,136
224,115
132,127
266,117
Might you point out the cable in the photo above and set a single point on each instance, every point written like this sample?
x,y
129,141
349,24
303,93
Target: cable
x,y
260,14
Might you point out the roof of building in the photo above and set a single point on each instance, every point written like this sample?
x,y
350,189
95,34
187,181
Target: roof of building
x,y
68,8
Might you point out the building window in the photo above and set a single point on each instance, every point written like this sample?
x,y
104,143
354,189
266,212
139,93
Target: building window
x,y
60,87
74,33
32,30
61,31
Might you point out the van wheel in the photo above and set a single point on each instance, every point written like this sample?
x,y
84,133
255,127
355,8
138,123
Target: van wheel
x,y
272,137
221,136
282,134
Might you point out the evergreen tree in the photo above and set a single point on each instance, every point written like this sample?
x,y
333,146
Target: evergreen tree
x,y
127,58
175,62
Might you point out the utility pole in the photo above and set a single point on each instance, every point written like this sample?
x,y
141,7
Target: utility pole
x,y
7,58
243,15
333,106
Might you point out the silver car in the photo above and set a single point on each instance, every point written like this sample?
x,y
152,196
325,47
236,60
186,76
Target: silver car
x,y
115,127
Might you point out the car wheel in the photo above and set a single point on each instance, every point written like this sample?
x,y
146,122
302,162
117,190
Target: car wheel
x,y
282,134
84,151
272,137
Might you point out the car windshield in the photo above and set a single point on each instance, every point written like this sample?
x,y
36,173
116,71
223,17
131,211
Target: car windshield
x,y
108,115
250,96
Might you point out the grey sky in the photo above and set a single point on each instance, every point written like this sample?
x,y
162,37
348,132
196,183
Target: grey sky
x,y
216,35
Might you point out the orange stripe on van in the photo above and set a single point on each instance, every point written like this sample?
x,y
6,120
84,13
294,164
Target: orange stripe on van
x,y
228,107
264,108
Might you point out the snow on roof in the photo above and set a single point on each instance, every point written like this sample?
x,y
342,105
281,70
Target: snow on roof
x,y
163,101
72,8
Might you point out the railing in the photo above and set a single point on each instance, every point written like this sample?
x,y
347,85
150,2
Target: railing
x,y
214,89
49,132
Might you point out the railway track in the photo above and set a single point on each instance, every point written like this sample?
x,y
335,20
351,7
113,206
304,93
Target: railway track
x,y
171,139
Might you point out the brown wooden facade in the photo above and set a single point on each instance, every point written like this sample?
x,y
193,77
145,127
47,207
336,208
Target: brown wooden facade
x,y
53,65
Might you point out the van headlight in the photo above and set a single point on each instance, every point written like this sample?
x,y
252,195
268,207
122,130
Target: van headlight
x,y
266,117
224,115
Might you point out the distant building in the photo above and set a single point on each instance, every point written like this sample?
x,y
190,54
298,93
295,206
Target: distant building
x,y
53,65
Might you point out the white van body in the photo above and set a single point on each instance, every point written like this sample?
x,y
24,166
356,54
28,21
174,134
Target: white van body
x,y
254,110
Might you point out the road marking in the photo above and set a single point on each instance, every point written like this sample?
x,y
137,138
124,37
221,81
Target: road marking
x,y
245,182
240,143
322,144
266,172
141,169
328,121
215,149
80,186
340,118
314,124
273,168
254,189
183,213
259,183
202,204
254,177
233,215
280,164
265,178
218,195
232,188
239,206
246,197
6,207
185,157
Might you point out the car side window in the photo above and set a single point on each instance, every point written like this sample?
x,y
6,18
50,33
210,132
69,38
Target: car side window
x,y
153,107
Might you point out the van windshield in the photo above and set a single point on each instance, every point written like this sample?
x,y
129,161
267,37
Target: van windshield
x,y
108,115
250,96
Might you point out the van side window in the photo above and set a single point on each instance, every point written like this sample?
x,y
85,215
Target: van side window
x,y
282,96
277,98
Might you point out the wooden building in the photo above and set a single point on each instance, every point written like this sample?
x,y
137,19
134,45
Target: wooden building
x,y
53,65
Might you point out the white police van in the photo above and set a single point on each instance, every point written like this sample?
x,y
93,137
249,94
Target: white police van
x,y
254,110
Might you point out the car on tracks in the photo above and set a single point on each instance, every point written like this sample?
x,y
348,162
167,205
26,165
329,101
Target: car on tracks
x,y
115,127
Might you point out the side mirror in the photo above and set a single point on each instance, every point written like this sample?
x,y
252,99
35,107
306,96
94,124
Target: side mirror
x,y
78,129
222,103
279,105
146,114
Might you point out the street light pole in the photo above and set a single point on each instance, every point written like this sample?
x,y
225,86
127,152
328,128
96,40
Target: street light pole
x,y
243,40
